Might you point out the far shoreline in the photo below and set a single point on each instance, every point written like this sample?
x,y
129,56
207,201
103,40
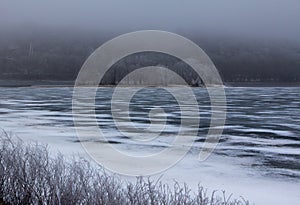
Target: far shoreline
x,y
61,83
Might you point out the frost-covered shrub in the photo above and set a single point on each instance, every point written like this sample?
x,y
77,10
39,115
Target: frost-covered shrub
x,y
28,175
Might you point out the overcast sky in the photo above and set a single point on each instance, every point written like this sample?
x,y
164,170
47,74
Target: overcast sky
x,y
260,18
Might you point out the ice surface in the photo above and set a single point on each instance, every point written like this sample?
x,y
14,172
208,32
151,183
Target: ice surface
x,y
257,157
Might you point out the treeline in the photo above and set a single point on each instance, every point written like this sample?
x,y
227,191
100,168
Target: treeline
x,y
59,55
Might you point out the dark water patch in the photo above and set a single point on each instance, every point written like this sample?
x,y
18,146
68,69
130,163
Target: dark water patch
x,y
245,144
283,164
245,155
97,141
208,139
288,145
260,135
108,142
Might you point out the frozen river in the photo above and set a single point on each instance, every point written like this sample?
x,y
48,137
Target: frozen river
x,y
258,156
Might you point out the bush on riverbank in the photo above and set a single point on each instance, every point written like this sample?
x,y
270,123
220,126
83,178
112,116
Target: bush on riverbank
x,y
28,175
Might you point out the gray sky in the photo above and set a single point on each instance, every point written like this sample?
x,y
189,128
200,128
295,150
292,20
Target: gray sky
x,y
259,18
